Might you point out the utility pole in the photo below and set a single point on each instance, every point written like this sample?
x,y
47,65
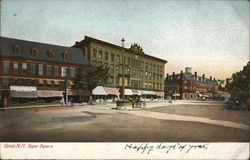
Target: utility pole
x,y
123,88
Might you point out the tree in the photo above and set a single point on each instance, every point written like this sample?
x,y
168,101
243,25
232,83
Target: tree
x,y
221,82
239,87
88,77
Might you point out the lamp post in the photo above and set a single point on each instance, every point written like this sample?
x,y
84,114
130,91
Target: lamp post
x,y
66,89
123,89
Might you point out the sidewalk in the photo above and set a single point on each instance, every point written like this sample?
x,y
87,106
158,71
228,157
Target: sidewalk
x,y
166,116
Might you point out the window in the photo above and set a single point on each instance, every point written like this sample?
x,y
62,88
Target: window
x,y
32,82
94,52
112,68
64,71
56,71
23,82
112,57
146,66
117,68
40,69
34,52
15,68
106,56
117,59
48,70
128,60
5,67
150,66
72,72
50,54
93,63
16,50
5,81
24,68
117,80
99,63
32,69
65,55
15,82
105,65
100,55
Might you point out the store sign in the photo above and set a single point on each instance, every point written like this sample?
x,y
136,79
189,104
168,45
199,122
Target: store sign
x,y
23,88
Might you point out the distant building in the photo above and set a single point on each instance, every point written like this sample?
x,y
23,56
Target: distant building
x,y
190,86
32,72
143,72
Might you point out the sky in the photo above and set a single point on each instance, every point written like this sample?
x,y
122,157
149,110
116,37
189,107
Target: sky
x,y
211,36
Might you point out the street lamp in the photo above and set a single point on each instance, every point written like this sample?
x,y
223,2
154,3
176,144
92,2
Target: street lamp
x,y
123,89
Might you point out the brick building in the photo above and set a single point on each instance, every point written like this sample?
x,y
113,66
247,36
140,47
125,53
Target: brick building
x,y
143,72
32,72
190,86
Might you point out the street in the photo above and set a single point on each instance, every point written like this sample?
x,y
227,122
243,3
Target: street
x,y
159,122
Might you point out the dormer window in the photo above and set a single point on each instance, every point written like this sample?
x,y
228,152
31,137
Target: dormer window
x,y
34,52
16,50
65,55
50,54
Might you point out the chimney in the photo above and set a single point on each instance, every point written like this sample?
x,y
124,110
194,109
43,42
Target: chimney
x,y
203,77
167,76
173,75
195,74
210,78
214,79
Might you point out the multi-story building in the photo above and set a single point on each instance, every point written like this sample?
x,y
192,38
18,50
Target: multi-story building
x,y
190,86
31,71
141,71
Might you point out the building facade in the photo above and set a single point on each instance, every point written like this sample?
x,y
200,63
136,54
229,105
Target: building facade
x,y
190,86
32,72
141,71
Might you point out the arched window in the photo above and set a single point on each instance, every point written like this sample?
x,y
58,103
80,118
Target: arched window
x,y
16,50
50,54
34,52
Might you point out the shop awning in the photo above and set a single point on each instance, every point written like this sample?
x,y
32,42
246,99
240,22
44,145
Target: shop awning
x,y
111,91
128,92
23,94
46,93
78,92
48,82
135,91
146,92
99,90
41,81
160,94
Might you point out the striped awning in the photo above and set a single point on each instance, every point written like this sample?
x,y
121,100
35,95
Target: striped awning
x,y
47,93
135,91
111,91
23,94
128,92
158,93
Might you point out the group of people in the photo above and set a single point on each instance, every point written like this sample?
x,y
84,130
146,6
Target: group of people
x,y
70,102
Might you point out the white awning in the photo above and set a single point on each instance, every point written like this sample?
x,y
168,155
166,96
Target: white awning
x,y
99,90
128,92
146,92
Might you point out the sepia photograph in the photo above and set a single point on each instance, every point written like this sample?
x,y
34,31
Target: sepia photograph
x,y
145,76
